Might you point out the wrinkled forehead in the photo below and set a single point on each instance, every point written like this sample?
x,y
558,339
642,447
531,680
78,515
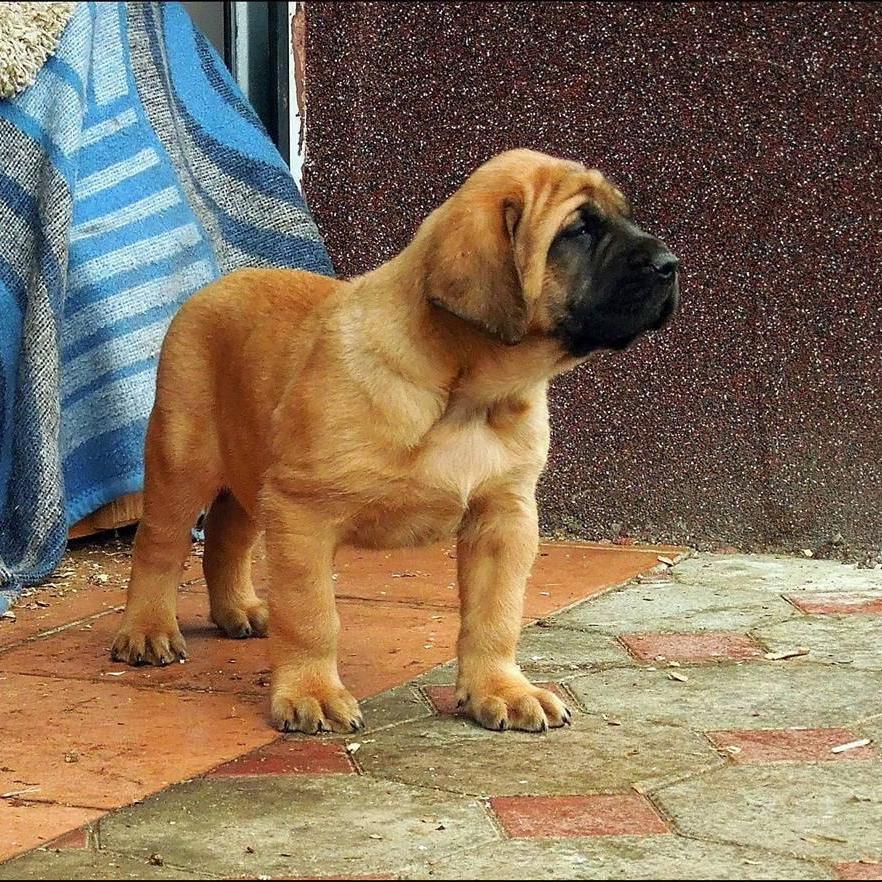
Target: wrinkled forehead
x,y
580,186
563,190
553,186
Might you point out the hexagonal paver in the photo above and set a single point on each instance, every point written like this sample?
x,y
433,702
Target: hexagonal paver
x,y
545,650
855,641
441,675
677,607
84,864
399,705
822,811
755,694
296,826
774,573
616,857
871,728
592,756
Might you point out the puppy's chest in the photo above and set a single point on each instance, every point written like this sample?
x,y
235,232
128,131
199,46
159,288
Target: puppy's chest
x,y
458,459
428,502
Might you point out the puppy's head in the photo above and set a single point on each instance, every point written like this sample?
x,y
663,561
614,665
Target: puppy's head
x,y
531,244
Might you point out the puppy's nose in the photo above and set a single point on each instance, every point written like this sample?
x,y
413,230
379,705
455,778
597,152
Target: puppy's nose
x,y
656,261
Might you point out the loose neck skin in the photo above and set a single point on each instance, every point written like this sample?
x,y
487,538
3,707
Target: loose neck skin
x,y
390,322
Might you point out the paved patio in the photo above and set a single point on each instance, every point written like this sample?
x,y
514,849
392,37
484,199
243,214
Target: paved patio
x,y
729,713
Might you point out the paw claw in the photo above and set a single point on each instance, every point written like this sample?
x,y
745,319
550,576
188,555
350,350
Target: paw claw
x,y
315,709
240,623
147,645
512,702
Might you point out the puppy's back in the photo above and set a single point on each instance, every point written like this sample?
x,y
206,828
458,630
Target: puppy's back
x,y
233,347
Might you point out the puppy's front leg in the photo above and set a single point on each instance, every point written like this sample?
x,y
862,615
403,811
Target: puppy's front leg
x,y
496,548
307,694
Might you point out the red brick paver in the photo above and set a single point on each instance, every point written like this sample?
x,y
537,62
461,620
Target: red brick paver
x,y
553,817
788,745
838,603
698,647
73,840
859,870
285,757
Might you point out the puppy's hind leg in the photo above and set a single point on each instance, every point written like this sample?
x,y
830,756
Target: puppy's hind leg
x,y
230,534
177,484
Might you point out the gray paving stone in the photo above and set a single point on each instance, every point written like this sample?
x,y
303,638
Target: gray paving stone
x,y
871,728
617,857
852,641
563,650
398,705
774,573
440,676
677,607
828,811
85,864
757,694
296,826
457,755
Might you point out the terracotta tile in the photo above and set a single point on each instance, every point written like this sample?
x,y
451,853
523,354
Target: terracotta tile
x,y
31,824
838,603
83,652
567,573
788,745
552,817
288,757
410,640
859,870
186,719
382,645
443,698
91,579
91,601
563,574
696,647
126,743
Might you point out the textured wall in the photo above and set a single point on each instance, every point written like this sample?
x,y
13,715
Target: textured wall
x,y
747,136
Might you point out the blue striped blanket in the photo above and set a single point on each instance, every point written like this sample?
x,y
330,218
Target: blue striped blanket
x,y
132,173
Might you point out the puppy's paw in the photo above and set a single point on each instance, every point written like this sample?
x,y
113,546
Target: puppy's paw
x,y
312,706
512,702
140,644
240,622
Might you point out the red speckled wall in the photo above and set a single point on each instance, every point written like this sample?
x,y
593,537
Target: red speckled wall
x,y
748,136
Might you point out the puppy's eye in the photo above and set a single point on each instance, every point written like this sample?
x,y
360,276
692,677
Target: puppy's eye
x,y
578,230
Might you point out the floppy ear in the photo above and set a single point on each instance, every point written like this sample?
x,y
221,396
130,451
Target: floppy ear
x,y
480,263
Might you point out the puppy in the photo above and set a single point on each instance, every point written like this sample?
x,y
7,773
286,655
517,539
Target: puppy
x,y
392,409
